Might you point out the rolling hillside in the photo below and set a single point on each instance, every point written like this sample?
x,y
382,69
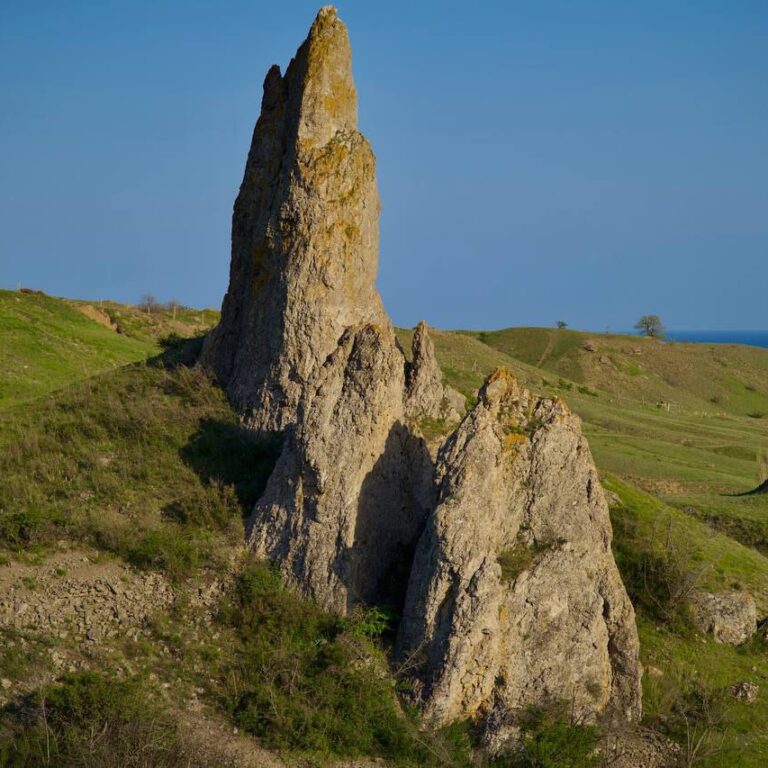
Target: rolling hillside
x,y
48,343
135,472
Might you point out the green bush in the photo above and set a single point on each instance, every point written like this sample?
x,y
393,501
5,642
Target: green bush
x,y
551,740
175,551
302,679
89,721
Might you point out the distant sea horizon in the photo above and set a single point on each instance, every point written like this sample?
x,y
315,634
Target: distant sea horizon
x,y
751,338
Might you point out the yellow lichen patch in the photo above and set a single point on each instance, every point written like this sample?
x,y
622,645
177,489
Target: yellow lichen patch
x,y
502,374
513,441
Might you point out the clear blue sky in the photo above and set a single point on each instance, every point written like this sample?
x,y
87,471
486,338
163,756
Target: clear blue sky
x,y
590,161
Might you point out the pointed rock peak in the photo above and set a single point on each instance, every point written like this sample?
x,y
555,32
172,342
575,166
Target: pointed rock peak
x,y
501,387
305,234
426,395
320,81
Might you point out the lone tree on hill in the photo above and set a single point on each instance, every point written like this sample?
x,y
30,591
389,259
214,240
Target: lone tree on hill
x,y
650,325
150,303
562,324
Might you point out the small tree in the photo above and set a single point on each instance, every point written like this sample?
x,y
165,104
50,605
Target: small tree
x,y
150,303
562,324
172,306
650,325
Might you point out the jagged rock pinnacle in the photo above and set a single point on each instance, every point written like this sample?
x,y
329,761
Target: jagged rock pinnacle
x,y
304,234
514,598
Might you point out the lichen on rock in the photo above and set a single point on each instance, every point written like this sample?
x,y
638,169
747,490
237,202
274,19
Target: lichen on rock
x,y
304,234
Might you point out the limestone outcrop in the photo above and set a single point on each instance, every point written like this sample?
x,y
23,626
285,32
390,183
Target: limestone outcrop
x,y
426,396
514,598
304,234
351,490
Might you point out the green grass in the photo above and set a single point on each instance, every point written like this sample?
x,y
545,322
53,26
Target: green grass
x,y
302,679
699,377
695,670
153,448
47,344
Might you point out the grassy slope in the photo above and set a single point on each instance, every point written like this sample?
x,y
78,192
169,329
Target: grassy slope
x,y
712,378
47,343
73,465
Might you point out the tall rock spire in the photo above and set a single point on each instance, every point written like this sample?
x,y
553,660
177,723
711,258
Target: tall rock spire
x,y
305,234
499,554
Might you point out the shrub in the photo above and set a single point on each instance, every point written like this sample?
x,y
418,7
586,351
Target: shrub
x,y
306,680
660,571
552,740
89,721
173,550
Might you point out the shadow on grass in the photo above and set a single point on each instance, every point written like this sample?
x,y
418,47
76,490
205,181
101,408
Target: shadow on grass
x,y
762,488
222,451
229,454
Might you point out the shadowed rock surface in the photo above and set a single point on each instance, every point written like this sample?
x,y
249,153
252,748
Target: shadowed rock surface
x,y
352,488
514,598
305,234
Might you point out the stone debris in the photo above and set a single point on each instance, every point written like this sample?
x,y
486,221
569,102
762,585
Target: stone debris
x,y
81,601
730,617
745,691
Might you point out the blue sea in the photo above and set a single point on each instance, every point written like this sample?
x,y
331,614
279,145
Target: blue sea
x,y
753,338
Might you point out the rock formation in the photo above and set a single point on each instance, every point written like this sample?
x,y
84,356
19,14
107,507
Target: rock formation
x,y
426,396
352,487
304,234
514,598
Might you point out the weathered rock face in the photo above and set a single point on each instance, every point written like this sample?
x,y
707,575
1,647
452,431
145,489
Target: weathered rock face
x,y
352,487
426,396
730,617
514,597
304,234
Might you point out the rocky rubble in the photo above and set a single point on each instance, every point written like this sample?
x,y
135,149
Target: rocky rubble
x,y
513,597
730,617
73,597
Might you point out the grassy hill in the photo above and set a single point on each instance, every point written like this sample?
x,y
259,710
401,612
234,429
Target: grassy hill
x,y
48,343
710,378
120,457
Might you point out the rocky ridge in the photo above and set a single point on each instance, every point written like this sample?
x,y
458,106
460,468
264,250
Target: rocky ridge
x,y
513,597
